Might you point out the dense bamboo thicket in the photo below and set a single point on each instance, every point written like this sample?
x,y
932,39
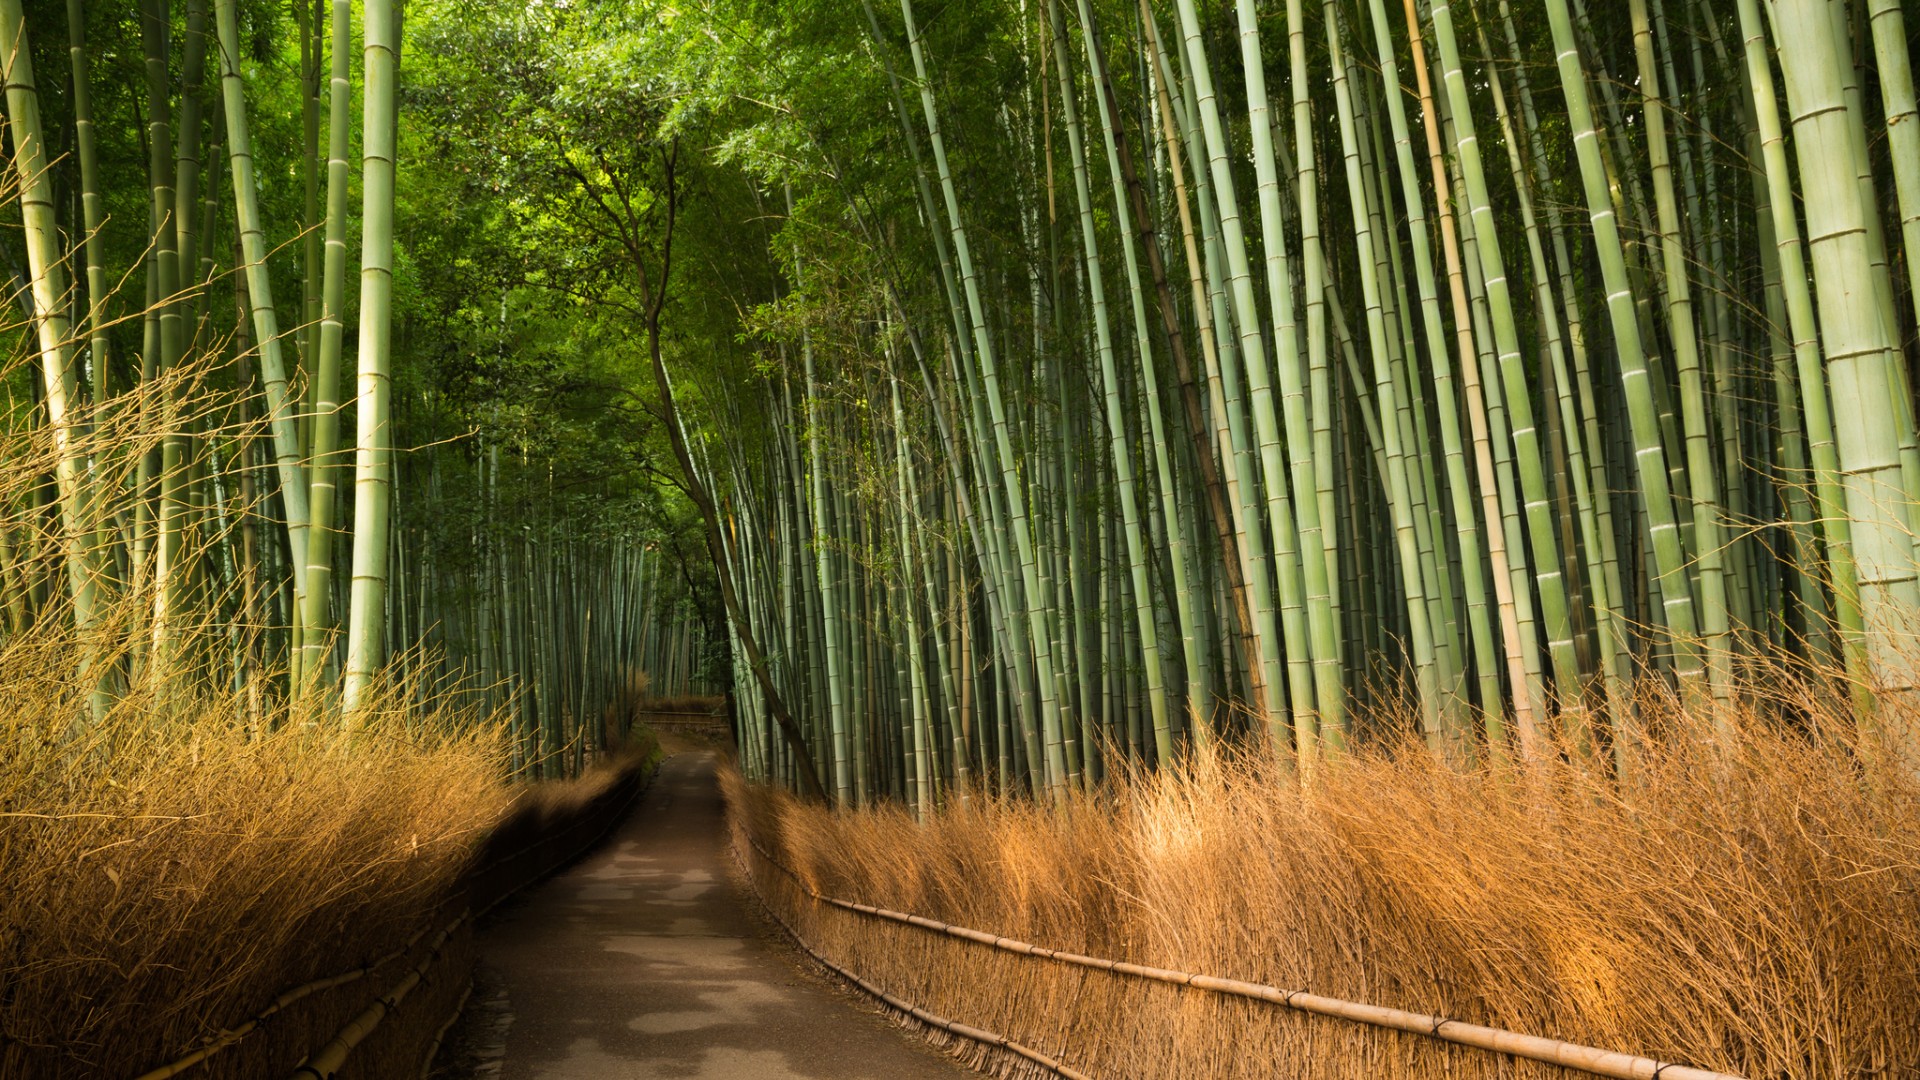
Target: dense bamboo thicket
x,y
1760,924
1140,376
1277,372
191,487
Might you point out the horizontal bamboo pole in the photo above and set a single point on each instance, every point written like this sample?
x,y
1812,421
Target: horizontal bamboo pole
x,y
440,1036
1567,1055
326,1061
954,1027
288,997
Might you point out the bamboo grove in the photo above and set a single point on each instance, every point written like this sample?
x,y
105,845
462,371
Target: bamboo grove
x,y
1063,385
1287,373
196,499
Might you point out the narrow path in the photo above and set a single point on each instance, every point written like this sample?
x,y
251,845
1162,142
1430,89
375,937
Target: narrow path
x,y
646,960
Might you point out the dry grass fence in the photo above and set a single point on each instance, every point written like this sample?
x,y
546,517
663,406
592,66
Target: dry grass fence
x,y
698,718
169,873
1750,905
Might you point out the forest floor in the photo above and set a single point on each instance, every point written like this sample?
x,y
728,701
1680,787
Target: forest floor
x,y
648,959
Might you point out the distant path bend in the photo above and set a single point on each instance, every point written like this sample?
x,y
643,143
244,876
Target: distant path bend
x,y
644,961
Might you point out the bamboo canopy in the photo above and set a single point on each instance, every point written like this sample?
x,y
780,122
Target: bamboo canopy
x,y
1275,375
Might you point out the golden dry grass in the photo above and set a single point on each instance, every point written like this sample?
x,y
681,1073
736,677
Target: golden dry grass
x,y
169,871
1754,909
174,869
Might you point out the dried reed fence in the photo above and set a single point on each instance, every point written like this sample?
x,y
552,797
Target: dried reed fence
x,y
181,878
1749,907
1584,1059
701,717
544,833
170,873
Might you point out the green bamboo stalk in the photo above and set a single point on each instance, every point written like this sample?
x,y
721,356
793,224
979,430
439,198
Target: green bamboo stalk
x,y
1317,556
1122,456
93,211
266,324
316,616
824,579
1548,578
1253,357
1683,337
1415,577
1473,583
1233,580
47,277
1593,446
1650,455
1515,635
923,767
165,474
1608,629
1056,775
366,644
1894,67
1829,485
308,28
1488,386
1853,333
1320,394
186,186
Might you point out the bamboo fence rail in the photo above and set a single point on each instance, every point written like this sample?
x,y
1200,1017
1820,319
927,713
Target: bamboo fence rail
x,y
440,1036
1587,1059
953,1027
326,1061
288,997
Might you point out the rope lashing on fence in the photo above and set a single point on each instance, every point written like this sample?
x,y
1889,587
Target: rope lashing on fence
x,y
952,1027
1567,1055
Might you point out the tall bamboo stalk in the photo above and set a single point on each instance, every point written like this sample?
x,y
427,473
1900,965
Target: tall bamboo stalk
x,y
373,453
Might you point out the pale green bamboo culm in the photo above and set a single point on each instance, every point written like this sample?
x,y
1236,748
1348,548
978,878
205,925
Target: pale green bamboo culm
x,y
1649,455
1860,351
266,323
51,329
1121,452
1056,769
372,481
316,614
92,209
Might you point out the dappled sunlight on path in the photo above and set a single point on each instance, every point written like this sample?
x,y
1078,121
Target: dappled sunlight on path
x,y
646,961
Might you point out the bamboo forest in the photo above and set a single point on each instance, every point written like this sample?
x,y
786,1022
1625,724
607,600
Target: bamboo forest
x,y
806,539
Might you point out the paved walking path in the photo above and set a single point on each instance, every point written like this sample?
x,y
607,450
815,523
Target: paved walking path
x,y
647,960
